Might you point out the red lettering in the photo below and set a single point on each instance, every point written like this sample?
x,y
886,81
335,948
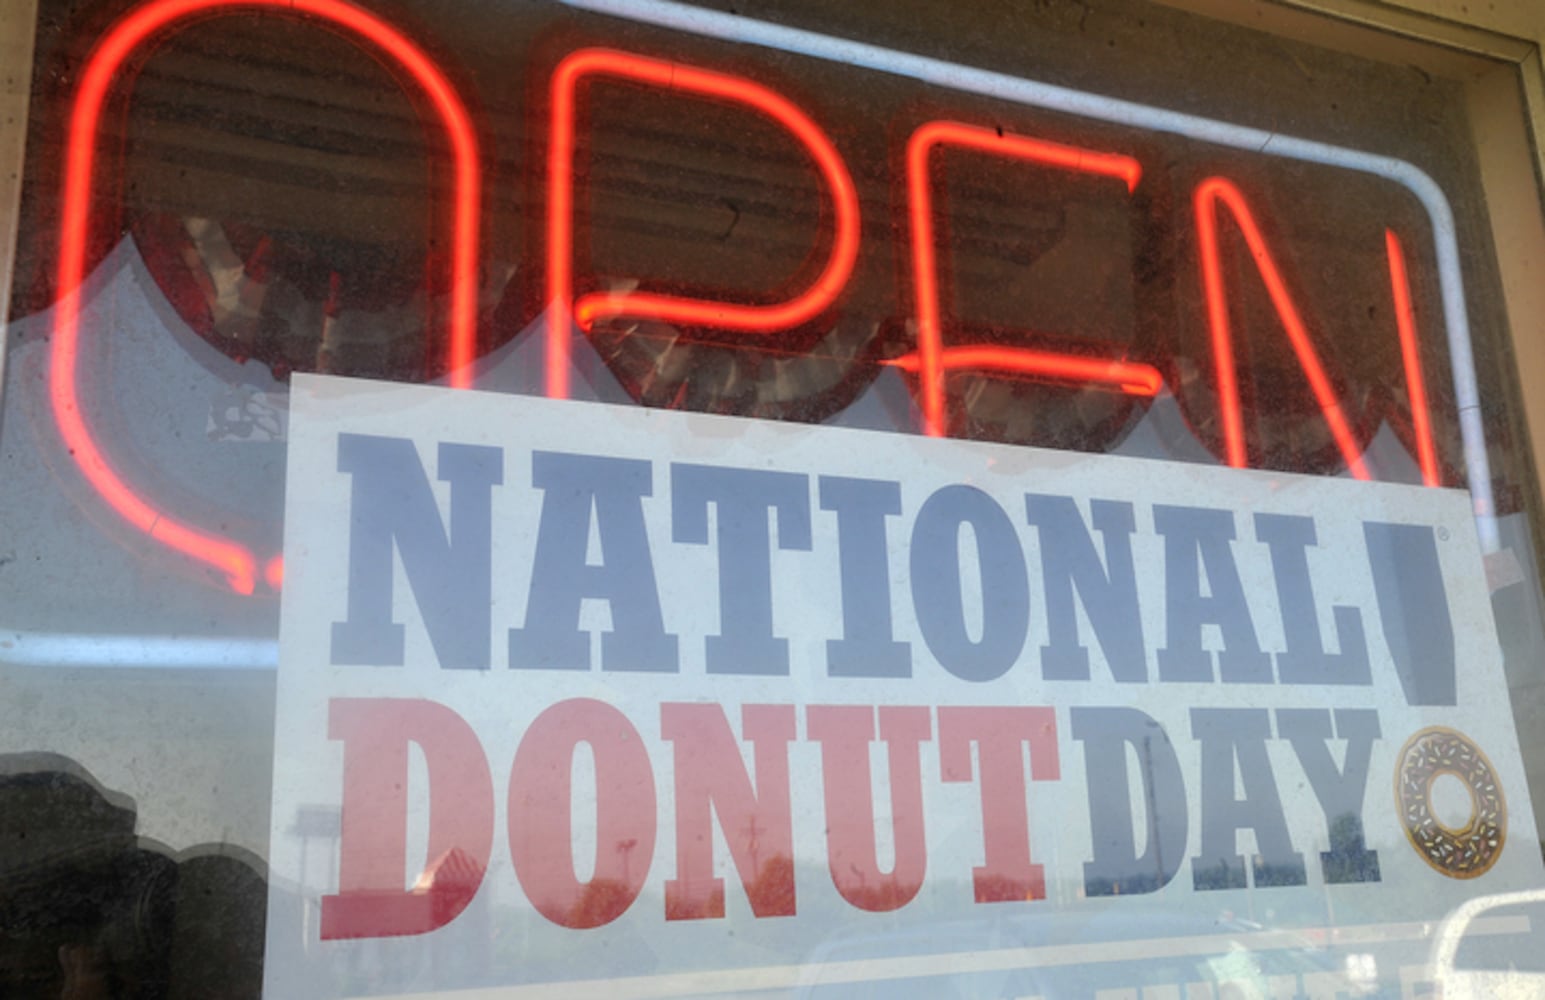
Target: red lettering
x,y
757,824
999,733
371,901
541,813
845,732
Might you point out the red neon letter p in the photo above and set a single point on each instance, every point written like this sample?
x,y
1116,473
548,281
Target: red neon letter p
x,y
691,312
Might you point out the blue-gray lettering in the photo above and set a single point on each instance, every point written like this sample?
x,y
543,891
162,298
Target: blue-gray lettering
x,y
936,583
1413,610
574,487
1230,735
1306,661
1108,593
1339,790
868,647
1197,538
742,499
450,573
1117,868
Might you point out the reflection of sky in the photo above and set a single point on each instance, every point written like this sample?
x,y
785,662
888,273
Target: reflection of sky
x,y
202,434
151,391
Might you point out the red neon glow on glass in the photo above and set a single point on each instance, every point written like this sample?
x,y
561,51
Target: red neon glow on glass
x,y
1131,377
1208,194
1405,323
931,359
102,68
273,572
680,310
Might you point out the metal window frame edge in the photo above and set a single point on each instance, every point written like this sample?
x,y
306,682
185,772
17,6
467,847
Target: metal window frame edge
x,y
18,34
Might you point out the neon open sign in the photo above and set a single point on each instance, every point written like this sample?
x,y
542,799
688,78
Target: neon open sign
x,y
1221,248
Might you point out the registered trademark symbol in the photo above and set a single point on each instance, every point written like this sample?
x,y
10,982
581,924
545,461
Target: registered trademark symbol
x,y
1442,534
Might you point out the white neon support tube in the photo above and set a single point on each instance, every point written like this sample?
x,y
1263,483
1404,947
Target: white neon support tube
x,y
733,28
65,649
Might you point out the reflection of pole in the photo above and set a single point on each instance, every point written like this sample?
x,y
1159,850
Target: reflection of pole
x,y
751,832
305,912
1153,816
1330,914
625,848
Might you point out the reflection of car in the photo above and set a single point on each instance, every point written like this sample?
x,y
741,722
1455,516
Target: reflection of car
x,y
1067,957
1485,949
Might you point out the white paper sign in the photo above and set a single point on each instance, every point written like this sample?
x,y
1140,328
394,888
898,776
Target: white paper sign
x,y
652,703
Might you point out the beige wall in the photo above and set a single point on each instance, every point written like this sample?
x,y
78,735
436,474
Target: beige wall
x,y
16,20
1519,18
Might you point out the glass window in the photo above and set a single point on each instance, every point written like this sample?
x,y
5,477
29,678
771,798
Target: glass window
x,y
1075,456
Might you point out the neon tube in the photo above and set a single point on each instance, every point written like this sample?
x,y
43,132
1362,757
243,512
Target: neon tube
x,y
102,68
965,79
273,572
1133,378
925,271
71,649
1416,385
1209,193
684,311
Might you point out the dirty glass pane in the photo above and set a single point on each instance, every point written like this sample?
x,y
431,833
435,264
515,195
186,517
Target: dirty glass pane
x,y
965,323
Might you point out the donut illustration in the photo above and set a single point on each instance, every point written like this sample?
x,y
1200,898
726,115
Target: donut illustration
x,y
1458,852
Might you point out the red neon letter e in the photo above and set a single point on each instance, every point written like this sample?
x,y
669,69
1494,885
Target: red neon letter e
x,y
371,901
706,313
932,359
